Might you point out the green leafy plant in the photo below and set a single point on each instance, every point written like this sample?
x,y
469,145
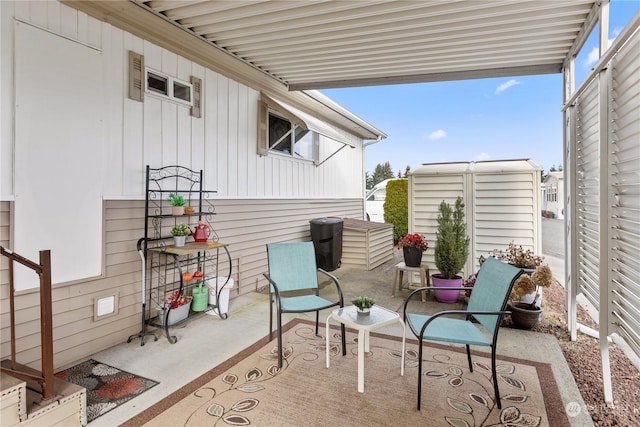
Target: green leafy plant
x,y
396,207
180,230
176,200
363,302
452,243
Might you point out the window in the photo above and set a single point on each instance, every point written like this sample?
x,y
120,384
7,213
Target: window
x,y
288,138
168,87
552,194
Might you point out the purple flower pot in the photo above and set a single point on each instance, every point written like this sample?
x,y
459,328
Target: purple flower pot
x,y
446,296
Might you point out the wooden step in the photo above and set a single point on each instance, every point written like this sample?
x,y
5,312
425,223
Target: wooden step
x,y
21,406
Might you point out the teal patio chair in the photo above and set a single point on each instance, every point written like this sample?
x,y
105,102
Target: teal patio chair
x,y
293,279
486,305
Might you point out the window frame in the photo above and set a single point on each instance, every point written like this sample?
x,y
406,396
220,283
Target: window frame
x,y
291,135
170,92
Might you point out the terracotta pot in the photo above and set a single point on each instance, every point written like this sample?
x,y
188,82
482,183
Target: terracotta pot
x,y
446,296
412,256
523,316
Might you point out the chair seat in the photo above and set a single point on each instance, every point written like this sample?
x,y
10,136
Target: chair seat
x,y
457,331
305,303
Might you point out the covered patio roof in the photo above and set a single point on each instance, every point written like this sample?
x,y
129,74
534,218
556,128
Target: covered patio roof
x,y
321,44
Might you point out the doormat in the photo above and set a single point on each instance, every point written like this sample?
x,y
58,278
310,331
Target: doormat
x,y
107,387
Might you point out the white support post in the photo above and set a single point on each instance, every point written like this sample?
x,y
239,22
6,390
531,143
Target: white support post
x,y
604,80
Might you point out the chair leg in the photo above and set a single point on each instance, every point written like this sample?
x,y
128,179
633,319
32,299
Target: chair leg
x,y
279,339
270,317
495,377
419,373
469,358
317,320
344,340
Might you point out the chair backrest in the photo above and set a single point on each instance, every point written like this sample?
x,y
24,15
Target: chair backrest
x,y
491,290
292,265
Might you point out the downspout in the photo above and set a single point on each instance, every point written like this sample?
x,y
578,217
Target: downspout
x,y
364,172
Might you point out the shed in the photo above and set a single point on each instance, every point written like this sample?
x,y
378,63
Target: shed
x,y
366,244
502,204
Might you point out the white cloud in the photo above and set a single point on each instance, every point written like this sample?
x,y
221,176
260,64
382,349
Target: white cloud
x,y
438,134
483,156
592,58
615,33
594,55
507,85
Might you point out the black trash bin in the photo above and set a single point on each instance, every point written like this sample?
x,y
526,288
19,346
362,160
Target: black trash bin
x,y
326,234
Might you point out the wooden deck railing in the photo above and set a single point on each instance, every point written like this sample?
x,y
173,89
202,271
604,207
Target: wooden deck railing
x,y
43,270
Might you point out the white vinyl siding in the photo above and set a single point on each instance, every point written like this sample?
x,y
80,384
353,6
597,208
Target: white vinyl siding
x,y
502,204
625,194
604,145
588,194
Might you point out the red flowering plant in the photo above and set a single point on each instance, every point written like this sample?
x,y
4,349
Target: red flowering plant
x,y
471,281
175,300
414,240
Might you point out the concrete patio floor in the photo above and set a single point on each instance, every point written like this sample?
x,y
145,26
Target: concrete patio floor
x,y
206,341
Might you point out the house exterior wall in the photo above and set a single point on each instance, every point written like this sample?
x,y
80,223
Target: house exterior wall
x,y
553,195
258,199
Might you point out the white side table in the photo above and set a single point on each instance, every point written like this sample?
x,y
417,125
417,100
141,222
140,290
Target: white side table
x,y
378,318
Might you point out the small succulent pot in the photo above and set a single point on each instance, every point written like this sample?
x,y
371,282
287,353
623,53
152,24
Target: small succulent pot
x,y
365,312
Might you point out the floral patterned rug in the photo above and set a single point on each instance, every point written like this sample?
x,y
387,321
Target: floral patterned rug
x,y
107,387
249,389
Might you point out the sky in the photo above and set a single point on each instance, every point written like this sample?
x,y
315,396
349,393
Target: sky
x,y
472,120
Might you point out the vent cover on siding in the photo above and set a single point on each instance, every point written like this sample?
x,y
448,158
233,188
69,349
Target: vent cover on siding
x,y
136,72
196,108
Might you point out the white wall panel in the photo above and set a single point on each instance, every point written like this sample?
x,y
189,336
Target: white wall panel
x,y
588,195
625,195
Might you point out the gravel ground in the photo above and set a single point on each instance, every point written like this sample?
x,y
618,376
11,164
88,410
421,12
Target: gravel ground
x,y
583,357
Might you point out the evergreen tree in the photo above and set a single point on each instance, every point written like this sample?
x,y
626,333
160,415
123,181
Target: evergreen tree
x,y
406,172
382,172
368,179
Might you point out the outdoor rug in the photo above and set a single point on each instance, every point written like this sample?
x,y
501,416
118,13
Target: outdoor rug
x,y
107,387
249,389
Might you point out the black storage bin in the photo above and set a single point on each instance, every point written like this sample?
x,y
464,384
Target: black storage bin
x,y
326,234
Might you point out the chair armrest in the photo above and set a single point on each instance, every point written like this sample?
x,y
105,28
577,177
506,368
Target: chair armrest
x,y
335,281
276,291
465,312
431,288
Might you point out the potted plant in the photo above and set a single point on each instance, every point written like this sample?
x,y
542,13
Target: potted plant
x,y
180,233
413,246
524,300
363,304
174,309
451,251
177,204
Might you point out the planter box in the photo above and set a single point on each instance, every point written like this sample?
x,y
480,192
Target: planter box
x,y
176,315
